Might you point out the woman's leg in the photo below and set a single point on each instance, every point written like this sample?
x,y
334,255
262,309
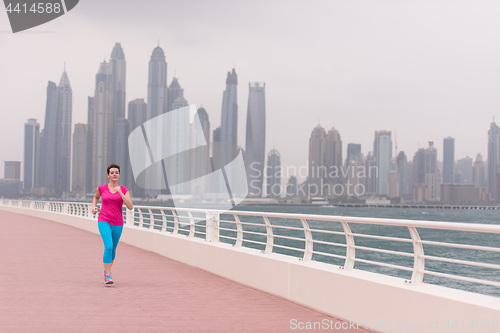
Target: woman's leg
x,y
116,233
105,231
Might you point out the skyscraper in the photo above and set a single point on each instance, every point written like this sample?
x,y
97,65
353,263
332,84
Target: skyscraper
x,y
56,142
274,174
122,130
118,71
200,159
493,157
157,84
174,91
80,140
229,116
50,142
103,126
229,130
371,171
291,187
464,170
353,152
90,139
317,170
333,161
479,172
402,164
65,109
31,156
419,188
137,115
255,153
382,151
431,171
393,180
448,160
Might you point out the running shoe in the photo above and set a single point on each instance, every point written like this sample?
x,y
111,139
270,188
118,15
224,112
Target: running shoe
x,y
108,279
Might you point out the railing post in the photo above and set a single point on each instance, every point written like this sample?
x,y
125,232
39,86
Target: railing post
x,y
212,223
418,259
129,216
163,220
89,211
176,222
239,231
309,244
270,236
191,224
151,219
350,256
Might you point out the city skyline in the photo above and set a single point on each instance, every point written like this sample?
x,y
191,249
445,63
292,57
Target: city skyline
x,y
202,81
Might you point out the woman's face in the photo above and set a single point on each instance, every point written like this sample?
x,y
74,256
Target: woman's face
x,y
114,174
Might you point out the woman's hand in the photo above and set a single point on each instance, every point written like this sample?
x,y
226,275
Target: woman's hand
x,y
118,189
94,210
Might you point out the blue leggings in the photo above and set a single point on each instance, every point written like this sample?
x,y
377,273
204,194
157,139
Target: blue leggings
x,y
110,236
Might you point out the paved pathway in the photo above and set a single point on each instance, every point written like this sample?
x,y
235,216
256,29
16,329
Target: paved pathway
x,y
51,281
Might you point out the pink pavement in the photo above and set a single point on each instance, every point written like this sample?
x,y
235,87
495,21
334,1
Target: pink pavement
x,y
51,281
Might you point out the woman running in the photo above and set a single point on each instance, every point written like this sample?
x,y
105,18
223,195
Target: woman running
x,y
110,217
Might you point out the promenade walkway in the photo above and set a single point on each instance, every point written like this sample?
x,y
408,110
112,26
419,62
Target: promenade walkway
x,y
51,281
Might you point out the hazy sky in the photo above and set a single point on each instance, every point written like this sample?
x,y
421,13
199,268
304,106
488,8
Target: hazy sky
x,y
427,69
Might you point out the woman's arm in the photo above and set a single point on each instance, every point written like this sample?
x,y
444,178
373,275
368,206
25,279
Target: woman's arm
x,y
127,200
95,200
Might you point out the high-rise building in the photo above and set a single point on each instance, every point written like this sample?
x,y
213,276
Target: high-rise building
x,y
353,152
371,174
493,157
292,187
274,174
464,170
333,162
31,174
12,170
229,129
418,176
50,142
200,159
317,170
478,174
174,91
448,160
122,130
229,116
118,70
90,139
65,102
402,164
382,152
180,123
255,149
56,142
431,171
79,167
216,158
393,181
103,126
157,84
137,115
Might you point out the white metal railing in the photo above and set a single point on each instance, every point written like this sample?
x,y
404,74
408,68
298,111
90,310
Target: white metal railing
x,y
284,232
